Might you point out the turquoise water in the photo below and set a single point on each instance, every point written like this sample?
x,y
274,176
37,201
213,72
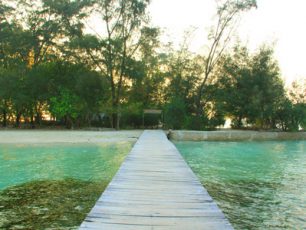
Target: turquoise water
x,y
258,185
90,162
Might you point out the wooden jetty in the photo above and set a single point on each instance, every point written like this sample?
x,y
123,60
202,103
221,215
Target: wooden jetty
x,y
155,189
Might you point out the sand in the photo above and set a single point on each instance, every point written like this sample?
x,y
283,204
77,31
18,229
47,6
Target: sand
x,y
65,136
62,136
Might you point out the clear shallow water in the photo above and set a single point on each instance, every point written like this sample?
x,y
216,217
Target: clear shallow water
x,y
258,185
88,162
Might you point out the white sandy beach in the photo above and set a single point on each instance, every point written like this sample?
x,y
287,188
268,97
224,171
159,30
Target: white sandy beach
x,y
63,136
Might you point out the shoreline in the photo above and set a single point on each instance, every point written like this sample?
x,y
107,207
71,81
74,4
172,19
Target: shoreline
x,y
86,136
66,136
234,135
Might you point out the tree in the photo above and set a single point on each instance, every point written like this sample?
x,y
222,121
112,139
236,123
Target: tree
x,y
37,85
111,52
175,113
234,84
145,74
228,13
66,105
251,87
5,32
6,85
122,18
29,39
85,87
91,88
297,91
18,94
297,97
268,88
47,24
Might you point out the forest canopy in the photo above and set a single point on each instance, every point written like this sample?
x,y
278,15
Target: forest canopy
x,y
53,72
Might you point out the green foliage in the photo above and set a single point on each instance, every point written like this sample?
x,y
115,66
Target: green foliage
x,y
175,113
75,91
194,122
228,14
131,116
49,64
300,114
252,89
68,91
285,115
298,98
66,104
291,116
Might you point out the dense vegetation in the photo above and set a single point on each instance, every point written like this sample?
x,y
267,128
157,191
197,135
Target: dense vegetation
x,y
51,64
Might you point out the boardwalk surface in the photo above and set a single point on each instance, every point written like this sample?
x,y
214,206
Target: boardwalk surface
x,y
155,189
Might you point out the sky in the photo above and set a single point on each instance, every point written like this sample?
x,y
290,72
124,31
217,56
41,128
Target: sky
x,y
280,23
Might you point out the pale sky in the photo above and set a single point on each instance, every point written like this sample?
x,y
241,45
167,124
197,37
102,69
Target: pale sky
x,y
278,22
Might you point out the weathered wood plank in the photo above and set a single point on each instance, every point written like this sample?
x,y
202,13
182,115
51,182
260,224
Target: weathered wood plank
x,y
155,189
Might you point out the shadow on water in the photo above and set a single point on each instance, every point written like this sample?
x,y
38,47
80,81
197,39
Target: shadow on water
x,y
48,204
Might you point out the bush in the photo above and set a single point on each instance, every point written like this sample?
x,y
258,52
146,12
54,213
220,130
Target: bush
x,y
195,123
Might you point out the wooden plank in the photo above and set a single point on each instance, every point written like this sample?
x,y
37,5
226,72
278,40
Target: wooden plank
x,y
155,189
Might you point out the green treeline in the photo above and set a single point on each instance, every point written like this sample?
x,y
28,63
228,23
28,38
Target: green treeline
x,y
53,63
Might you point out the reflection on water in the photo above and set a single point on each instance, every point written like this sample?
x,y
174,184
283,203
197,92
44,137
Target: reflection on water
x,y
258,185
54,186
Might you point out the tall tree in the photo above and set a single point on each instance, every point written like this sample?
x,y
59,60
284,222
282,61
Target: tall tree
x,y
110,52
228,13
145,75
48,23
251,87
297,99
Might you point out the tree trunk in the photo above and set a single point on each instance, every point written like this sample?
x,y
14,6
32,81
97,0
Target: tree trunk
x,y
114,107
69,123
38,118
89,119
239,124
118,118
4,122
113,120
32,121
199,106
18,116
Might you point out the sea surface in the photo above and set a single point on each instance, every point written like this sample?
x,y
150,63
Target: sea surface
x,y
258,185
89,162
54,186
